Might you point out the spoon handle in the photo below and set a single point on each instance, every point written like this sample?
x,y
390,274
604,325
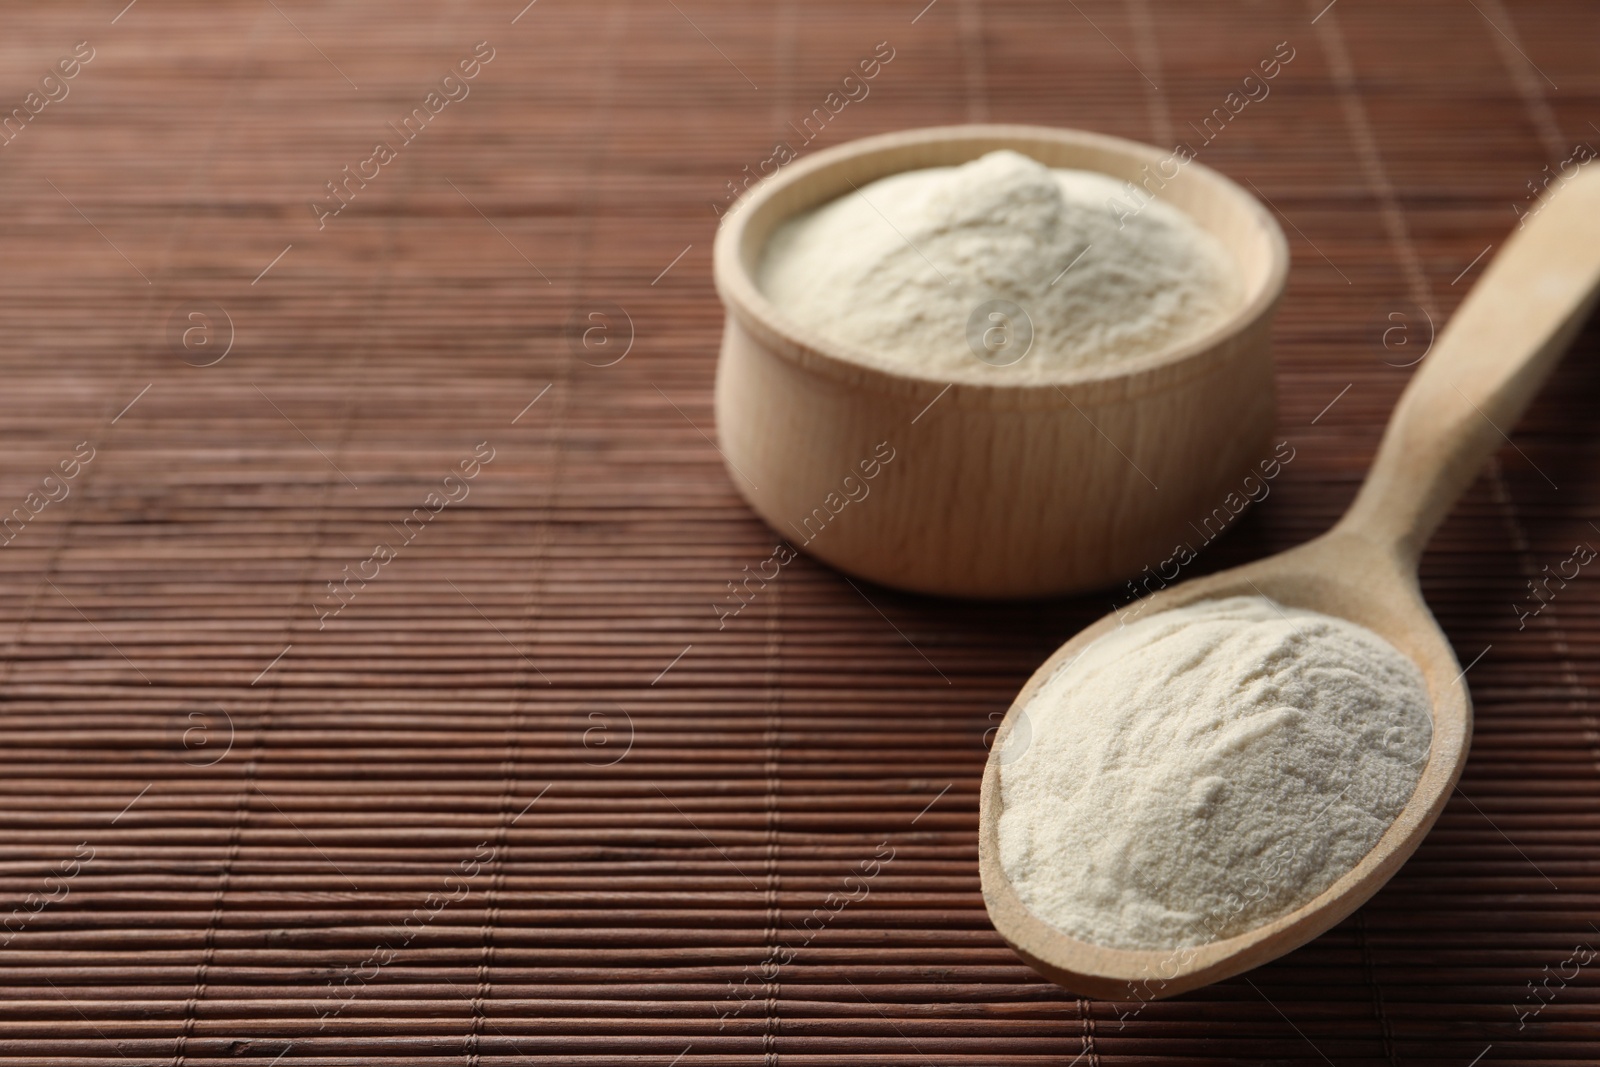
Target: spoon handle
x,y
1485,367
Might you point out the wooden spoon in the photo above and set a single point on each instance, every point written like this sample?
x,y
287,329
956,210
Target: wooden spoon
x,y
1469,391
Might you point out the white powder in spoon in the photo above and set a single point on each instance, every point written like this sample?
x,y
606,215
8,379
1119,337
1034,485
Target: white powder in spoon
x,y
896,270
1203,771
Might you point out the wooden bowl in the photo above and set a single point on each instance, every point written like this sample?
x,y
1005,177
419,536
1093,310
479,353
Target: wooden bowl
x,y
993,489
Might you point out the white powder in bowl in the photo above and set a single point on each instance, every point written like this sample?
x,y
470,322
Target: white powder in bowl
x,y
896,271
1206,770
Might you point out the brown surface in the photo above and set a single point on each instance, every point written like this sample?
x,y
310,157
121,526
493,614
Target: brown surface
x,y
372,759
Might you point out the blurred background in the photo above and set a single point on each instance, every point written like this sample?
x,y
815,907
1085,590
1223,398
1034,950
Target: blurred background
x,y
365,698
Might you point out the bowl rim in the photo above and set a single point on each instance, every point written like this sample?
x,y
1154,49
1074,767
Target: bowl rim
x,y
749,307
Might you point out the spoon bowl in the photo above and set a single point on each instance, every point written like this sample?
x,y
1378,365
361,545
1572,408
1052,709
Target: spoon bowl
x,y
1337,574
1485,368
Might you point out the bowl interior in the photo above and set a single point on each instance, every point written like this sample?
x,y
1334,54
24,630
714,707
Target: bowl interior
x,y
1230,214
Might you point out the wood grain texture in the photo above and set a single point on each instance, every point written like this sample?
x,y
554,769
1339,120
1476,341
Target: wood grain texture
x,y
633,906
1495,354
1005,489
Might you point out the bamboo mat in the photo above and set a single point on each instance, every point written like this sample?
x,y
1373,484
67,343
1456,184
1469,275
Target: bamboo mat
x,y
519,800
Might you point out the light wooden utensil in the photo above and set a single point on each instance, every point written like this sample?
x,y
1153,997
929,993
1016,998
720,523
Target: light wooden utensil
x,y
998,488
1467,393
